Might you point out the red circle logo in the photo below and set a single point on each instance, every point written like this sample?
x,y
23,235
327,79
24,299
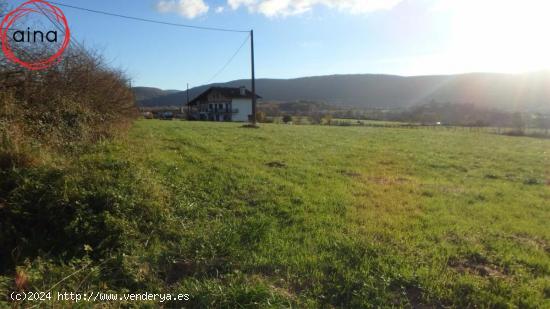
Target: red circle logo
x,y
39,7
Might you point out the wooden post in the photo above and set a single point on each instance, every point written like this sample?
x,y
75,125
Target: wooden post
x,y
188,107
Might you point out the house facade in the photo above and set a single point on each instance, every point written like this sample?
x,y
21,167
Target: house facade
x,y
222,104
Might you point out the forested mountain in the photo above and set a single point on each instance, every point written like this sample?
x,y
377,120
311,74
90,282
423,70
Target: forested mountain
x,y
511,92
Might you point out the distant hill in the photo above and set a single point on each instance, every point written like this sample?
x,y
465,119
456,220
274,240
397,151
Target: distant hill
x,y
523,92
147,93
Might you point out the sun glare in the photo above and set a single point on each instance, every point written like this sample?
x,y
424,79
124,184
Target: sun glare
x,y
501,36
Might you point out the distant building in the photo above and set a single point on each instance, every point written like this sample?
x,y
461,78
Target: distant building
x,y
161,112
222,104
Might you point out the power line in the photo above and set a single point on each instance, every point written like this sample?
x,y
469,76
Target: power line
x,y
228,61
56,24
149,20
169,24
152,21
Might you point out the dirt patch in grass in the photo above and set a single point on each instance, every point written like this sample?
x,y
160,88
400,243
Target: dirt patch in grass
x,y
531,241
532,181
414,295
476,265
276,164
349,173
445,189
182,268
388,180
491,176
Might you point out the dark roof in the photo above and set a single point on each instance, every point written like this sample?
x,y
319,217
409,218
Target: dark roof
x,y
228,92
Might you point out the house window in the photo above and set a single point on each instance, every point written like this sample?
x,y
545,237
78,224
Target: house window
x,y
220,106
210,105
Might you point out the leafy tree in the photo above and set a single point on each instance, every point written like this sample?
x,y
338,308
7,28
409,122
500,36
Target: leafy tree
x,y
316,118
287,118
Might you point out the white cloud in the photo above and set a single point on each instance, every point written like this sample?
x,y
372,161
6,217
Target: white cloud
x,y
220,9
235,4
187,8
276,8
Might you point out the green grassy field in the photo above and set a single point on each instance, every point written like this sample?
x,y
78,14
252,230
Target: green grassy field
x,y
292,216
355,217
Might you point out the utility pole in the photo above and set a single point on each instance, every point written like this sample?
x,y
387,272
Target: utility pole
x,y
188,107
253,78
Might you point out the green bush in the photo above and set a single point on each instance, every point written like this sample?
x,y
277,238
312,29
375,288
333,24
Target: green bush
x,y
64,202
78,101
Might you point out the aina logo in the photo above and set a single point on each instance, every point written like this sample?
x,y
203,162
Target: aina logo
x,y
13,38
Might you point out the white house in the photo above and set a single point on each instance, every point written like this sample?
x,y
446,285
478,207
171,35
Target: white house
x,y
222,104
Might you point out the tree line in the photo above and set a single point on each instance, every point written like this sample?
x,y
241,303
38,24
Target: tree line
x,y
451,114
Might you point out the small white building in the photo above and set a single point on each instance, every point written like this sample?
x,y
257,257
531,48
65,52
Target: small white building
x,y
223,104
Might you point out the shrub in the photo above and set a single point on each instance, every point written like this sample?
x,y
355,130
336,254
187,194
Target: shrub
x,y
77,101
57,208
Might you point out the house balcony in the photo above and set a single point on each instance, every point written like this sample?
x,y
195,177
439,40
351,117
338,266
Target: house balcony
x,y
224,111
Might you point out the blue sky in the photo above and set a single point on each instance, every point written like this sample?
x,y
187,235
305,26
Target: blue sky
x,y
296,38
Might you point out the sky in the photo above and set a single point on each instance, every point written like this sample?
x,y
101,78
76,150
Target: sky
x,y
296,38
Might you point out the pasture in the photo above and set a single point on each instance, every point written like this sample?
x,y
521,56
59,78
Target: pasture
x,y
355,216
286,216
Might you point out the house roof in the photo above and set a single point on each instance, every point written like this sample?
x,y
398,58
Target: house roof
x,y
228,92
